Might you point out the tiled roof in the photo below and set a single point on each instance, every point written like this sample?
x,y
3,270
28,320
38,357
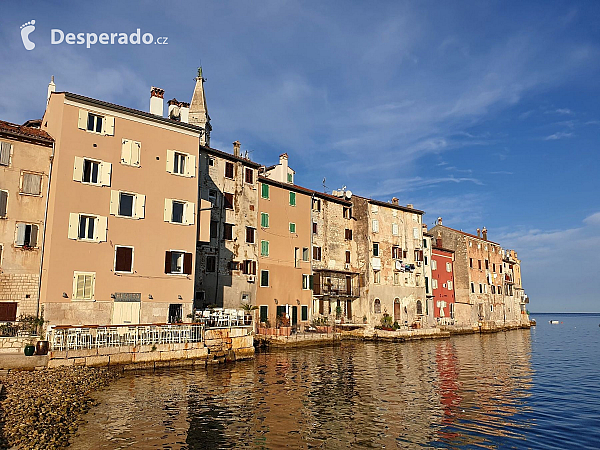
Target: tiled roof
x,y
24,131
229,156
295,187
468,234
391,205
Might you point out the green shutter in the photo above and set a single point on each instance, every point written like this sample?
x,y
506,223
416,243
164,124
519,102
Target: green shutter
x,y
290,177
264,220
263,313
292,227
264,278
264,248
265,191
304,313
310,283
292,199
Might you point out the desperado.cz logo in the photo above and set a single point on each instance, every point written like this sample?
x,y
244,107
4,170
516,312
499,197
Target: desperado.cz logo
x,y
58,36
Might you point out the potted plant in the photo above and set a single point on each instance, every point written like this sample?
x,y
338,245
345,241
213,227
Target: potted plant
x,y
248,312
29,348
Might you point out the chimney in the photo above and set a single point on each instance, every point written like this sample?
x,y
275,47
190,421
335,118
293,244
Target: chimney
x,y
478,233
51,88
410,205
394,200
174,111
236,148
157,101
438,241
184,109
484,232
439,221
424,226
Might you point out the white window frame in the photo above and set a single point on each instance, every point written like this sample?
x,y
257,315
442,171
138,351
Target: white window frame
x,y
22,179
132,258
290,227
7,196
189,212
448,267
100,227
131,152
433,264
104,171
378,250
190,164
268,278
37,236
108,122
375,225
74,297
182,253
449,285
305,282
434,284
395,229
138,207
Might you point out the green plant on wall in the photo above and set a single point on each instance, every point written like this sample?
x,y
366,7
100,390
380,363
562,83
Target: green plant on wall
x,y
386,321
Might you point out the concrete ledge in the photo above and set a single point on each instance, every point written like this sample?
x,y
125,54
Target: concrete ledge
x,y
95,361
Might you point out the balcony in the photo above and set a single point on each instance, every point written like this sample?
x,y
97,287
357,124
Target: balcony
x,y
334,283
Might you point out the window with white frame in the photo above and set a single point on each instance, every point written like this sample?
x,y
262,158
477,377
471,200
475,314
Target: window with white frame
x,y
26,235
416,233
377,276
87,227
31,183
131,152
127,204
396,277
179,211
264,278
179,163
96,123
211,161
375,226
123,259
449,285
374,209
305,254
92,171
376,249
433,264
178,262
305,281
448,267
84,285
395,229
434,284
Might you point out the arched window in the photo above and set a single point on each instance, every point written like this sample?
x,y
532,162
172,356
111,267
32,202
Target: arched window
x,y
419,307
377,306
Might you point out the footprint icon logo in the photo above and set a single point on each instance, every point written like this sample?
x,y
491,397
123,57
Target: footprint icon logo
x,y
26,30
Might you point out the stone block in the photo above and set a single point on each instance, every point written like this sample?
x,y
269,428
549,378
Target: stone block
x,y
140,366
182,363
95,361
60,362
78,361
197,353
242,342
174,354
57,354
162,364
121,358
82,353
146,357
108,350
244,353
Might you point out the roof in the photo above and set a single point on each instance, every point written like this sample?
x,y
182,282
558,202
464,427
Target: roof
x,y
468,234
131,111
435,247
303,190
22,131
222,154
391,205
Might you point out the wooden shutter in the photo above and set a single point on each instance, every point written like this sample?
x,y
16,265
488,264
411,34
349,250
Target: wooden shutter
x,y
108,126
190,213
228,200
190,166
136,153
168,257
316,283
3,203
170,158
20,237
5,153
187,263
114,202
126,151
78,169
123,259
105,173
168,209
140,206
82,121
73,226
101,229
8,311
33,237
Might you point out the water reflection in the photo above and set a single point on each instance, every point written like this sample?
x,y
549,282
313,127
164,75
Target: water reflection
x,y
467,391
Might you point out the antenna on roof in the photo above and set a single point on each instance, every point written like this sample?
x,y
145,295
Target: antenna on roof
x,y
324,187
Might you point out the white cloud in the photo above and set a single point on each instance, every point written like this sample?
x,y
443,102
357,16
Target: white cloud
x,y
558,135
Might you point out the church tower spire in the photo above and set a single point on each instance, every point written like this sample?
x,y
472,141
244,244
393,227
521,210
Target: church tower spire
x,y
198,111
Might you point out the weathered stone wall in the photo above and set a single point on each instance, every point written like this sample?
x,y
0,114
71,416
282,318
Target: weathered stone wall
x,y
21,288
13,344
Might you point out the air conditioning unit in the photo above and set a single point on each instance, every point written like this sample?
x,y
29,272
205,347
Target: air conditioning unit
x,y
251,278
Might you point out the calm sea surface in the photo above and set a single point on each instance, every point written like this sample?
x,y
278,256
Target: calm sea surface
x,y
537,388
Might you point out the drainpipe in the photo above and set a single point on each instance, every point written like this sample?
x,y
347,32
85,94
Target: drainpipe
x,y
37,312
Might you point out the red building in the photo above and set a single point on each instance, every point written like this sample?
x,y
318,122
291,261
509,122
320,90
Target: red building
x,y
442,274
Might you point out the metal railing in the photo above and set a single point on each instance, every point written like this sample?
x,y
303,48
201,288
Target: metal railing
x,y
91,336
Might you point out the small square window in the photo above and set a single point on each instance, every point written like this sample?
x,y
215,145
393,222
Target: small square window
x,y
123,259
211,161
292,227
31,183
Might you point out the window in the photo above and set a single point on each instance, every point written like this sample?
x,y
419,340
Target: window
x,y
478,245
264,278
448,267
452,310
348,234
292,199
292,227
264,248
264,313
126,207
419,307
290,178
480,288
472,288
249,176
316,204
26,235
376,276
375,248
228,200
180,163
179,211
491,308
500,268
94,123
377,306
347,256
211,162
177,262
433,264
250,235
86,227
499,289
305,283
83,285
264,191
493,267
305,254
396,277
374,209
123,259
211,263
212,197
487,264
304,312
228,232
214,229
396,252
130,152
426,260
31,183
249,267
449,285
434,284
470,243
347,212
479,264
493,289
5,150
317,253
424,243
416,233
264,220
395,229
91,170
375,226
3,203
471,263
229,170
315,228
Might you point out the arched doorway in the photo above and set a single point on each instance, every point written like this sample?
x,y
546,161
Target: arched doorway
x,y
397,310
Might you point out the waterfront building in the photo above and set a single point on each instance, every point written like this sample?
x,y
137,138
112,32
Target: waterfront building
x,y
123,219
226,270
284,235
25,157
442,267
390,255
428,243
514,296
336,276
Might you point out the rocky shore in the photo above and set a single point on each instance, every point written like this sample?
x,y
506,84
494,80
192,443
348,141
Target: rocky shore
x,y
41,409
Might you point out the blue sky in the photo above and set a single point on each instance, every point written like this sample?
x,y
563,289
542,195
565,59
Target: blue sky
x,y
484,113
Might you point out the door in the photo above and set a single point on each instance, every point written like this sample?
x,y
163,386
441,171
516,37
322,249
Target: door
x,y
126,313
348,285
397,311
175,312
349,310
294,316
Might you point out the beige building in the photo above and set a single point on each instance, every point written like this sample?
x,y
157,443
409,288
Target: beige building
x,y
25,155
122,222
515,298
227,264
284,238
390,254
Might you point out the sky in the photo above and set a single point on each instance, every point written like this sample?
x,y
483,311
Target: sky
x,y
484,113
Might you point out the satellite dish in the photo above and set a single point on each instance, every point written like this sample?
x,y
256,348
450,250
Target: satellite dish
x,y
348,194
